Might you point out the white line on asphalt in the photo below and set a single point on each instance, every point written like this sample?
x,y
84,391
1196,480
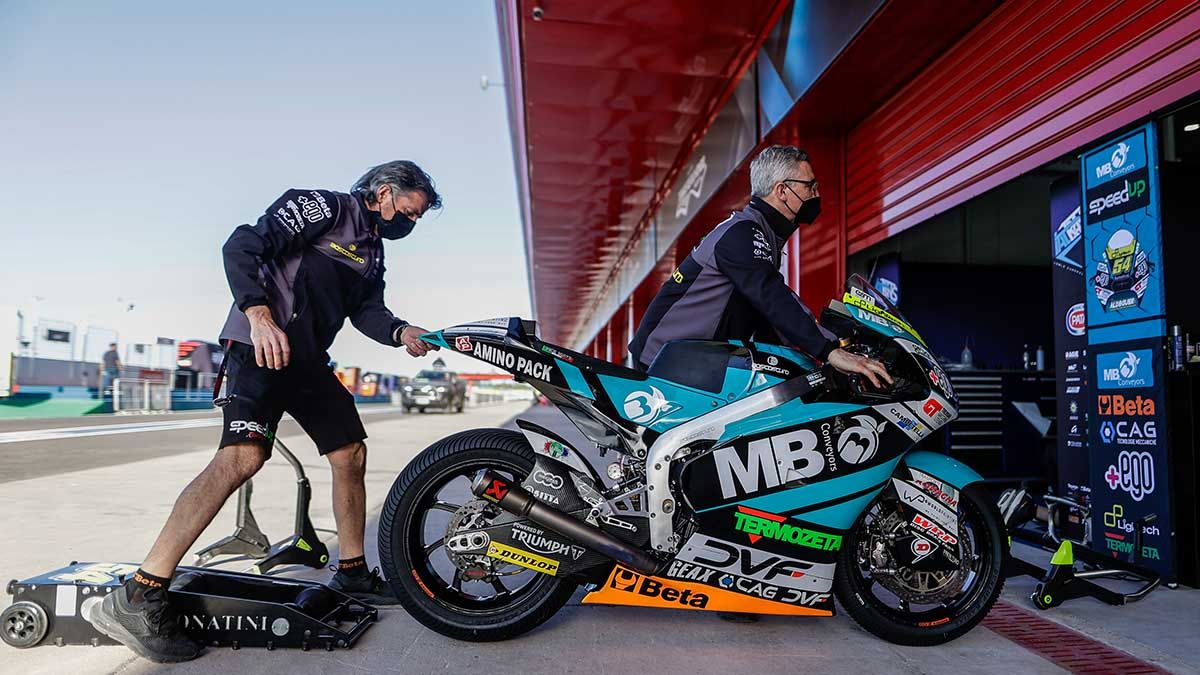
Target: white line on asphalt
x,y
129,428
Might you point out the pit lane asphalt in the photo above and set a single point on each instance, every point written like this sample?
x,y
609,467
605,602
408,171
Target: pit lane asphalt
x,y
117,439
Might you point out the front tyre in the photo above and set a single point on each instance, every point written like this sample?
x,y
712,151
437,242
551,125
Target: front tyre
x,y
915,608
477,600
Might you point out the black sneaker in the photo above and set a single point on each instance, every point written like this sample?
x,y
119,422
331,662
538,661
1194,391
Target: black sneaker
x,y
149,627
370,588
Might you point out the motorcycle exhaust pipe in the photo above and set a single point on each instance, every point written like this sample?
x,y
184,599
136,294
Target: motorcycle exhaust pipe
x,y
517,501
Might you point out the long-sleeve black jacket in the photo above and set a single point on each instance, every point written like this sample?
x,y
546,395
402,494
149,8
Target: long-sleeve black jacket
x,y
730,288
315,260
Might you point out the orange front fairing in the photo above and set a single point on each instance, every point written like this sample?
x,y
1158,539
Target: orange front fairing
x,y
626,587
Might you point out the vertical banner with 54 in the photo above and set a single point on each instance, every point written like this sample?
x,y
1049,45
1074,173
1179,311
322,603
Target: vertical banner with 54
x,y
1126,325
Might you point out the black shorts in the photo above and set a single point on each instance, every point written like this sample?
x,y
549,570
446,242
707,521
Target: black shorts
x,y
310,392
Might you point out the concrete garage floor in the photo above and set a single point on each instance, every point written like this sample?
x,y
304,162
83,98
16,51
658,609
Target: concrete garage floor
x,y
112,513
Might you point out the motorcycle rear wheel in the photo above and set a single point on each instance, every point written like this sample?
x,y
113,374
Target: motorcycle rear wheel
x,y
902,624
410,562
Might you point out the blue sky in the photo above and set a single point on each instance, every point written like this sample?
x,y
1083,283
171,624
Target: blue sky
x,y
134,136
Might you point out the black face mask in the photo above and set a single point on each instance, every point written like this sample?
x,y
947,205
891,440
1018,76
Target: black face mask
x,y
809,209
399,227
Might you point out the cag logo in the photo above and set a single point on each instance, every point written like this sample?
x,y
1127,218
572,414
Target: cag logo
x,y
1126,432
1133,473
648,407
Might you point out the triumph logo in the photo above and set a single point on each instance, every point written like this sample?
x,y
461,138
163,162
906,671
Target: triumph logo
x,y
536,540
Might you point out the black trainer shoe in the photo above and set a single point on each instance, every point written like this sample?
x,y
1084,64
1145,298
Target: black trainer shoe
x,y
370,588
149,627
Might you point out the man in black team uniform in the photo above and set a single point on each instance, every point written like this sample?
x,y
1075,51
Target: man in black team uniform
x,y
314,259
730,287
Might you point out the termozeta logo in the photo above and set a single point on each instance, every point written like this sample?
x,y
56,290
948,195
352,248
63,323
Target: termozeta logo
x,y
1125,370
758,524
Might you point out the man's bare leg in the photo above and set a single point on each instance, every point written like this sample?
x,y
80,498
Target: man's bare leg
x,y
349,464
199,503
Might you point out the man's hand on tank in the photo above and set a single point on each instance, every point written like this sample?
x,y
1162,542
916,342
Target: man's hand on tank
x,y
410,337
271,348
849,362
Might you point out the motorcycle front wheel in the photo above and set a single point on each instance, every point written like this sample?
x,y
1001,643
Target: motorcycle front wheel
x,y
463,596
911,607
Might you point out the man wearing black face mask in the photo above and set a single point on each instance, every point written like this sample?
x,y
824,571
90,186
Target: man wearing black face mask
x,y
314,259
730,287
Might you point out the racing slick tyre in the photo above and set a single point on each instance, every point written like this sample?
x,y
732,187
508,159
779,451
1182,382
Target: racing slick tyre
x,y
467,597
909,607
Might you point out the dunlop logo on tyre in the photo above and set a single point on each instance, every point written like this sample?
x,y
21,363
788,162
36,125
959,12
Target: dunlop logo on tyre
x,y
524,559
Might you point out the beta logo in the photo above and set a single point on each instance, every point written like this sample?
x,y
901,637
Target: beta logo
x,y
1126,370
1133,473
1077,320
649,587
1117,405
647,407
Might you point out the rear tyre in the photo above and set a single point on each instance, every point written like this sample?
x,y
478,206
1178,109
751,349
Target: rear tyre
x,y
428,583
897,620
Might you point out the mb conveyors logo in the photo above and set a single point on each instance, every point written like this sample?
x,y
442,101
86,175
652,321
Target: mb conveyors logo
x,y
1126,370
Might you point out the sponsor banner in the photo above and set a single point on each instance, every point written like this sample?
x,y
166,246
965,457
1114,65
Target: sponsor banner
x,y
626,587
1129,469
1122,233
1070,341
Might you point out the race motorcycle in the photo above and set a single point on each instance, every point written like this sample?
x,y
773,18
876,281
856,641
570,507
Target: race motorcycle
x,y
742,478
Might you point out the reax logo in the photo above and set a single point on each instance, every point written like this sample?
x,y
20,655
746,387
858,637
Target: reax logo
x,y
1126,370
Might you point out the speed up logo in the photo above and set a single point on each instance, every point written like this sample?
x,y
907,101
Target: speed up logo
x,y
521,558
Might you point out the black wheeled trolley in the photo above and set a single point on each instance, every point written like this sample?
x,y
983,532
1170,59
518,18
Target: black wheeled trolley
x,y
217,608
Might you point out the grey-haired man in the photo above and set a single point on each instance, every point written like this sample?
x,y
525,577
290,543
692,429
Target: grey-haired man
x,y
313,260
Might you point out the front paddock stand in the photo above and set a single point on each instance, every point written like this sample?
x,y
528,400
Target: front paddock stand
x,y
1062,582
